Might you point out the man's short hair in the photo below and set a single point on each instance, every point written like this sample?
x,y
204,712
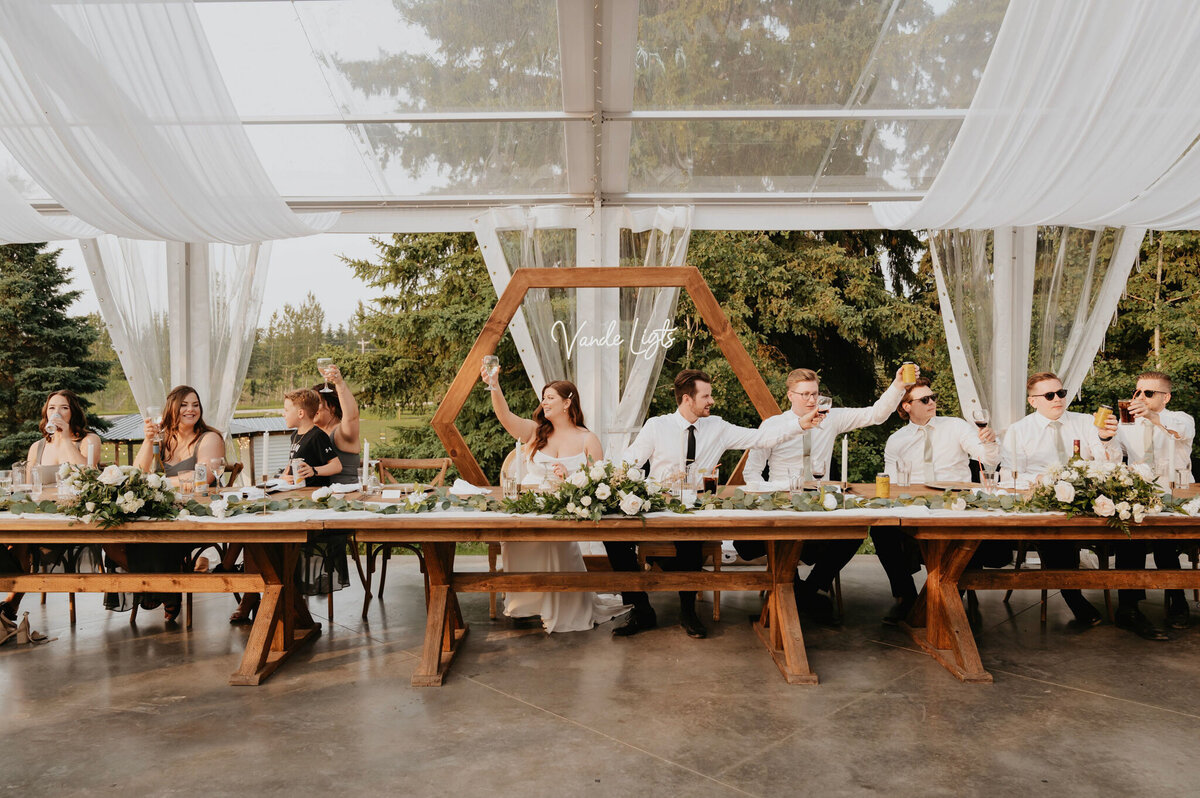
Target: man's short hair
x,y
921,382
685,383
1036,378
801,375
1156,375
306,399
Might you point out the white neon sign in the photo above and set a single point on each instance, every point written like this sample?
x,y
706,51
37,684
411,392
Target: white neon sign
x,y
649,342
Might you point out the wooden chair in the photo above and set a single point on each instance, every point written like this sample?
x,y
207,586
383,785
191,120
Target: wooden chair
x,y
385,466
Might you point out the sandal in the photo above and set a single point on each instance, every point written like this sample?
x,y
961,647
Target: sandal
x,y
246,611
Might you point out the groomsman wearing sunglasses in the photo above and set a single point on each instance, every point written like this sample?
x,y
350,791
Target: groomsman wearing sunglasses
x,y
810,453
935,449
1044,439
1162,439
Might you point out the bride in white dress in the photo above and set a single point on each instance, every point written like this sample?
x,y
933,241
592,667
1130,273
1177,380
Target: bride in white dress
x,y
560,444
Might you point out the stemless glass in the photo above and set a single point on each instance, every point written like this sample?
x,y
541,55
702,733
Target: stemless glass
x,y
323,364
20,476
492,364
38,487
903,473
5,482
187,483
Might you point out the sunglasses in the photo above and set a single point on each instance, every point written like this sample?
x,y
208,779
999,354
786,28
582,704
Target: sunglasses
x,y
1061,393
1147,394
926,399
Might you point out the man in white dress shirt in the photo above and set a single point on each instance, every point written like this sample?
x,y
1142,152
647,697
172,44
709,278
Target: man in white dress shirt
x,y
1162,439
689,436
1043,439
809,453
934,449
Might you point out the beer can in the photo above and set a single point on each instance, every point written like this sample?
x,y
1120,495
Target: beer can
x,y
908,373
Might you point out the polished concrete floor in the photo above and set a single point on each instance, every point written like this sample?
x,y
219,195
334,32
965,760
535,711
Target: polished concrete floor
x,y
109,709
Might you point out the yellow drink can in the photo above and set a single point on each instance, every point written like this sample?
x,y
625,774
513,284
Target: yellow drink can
x,y
908,373
883,486
1102,415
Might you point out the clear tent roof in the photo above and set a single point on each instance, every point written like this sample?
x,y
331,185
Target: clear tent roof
x,y
370,103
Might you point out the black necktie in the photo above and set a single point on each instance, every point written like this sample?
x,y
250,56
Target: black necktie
x,y
691,446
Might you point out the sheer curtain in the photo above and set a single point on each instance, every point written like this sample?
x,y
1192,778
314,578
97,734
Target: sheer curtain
x,y
21,224
118,111
205,341
1019,300
1086,114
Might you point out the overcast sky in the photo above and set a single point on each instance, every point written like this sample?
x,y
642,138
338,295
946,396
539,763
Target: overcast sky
x,y
298,265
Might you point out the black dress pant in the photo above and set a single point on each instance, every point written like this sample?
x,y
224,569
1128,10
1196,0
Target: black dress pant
x,y
689,556
1064,555
899,560
1131,554
827,558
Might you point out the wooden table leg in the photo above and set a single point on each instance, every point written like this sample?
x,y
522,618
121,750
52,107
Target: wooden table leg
x,y
444,626
946,635
282,623
779,625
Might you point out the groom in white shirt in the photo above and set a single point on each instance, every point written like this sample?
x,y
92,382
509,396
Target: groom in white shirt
x,y
933,448
1044,439
689,436
1162,439
807,454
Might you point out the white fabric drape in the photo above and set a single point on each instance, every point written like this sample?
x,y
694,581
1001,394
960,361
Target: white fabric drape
x,y
1020,300
119,112
1083,117
21,224
161,343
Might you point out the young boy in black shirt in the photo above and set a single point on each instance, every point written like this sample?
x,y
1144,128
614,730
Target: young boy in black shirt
x,y
309,442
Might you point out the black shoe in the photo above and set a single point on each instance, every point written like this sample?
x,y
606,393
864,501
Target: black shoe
x,y
637,622
691,624
1178,614
525,622
1086,615
817,607
899,611
8,611
1139,624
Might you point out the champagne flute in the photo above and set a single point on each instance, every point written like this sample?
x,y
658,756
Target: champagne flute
x,y
217,467
981,418
492,364
323,366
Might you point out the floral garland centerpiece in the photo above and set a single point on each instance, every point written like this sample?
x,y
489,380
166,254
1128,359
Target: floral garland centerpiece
x,y
1114,491
115,495
597,490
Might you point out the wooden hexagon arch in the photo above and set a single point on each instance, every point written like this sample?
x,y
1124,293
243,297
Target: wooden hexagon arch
x,y
685,277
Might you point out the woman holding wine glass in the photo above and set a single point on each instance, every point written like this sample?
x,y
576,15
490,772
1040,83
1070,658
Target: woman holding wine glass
x,y
175,445
65,439
556,442
338,416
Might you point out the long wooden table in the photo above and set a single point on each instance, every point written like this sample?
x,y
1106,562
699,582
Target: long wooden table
x,y
282,624
938,622
784,533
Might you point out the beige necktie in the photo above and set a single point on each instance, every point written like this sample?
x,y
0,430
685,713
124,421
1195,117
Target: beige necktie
x,y
929,470
806,456
1059,448
1149,443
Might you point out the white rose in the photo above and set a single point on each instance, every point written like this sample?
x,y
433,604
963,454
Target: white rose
x,y
1139,512
153,481
322,493
64,469
1103,506
87,519
959,504
1122,507
829,502
129,496
603,491
572,507
586,501
1070,475
1064,491
579,479
540,501
415,499
630,504
582,513
112,476
184,514
652,486
635,475
90,507
1123,515
1143,471
1192,507
218,508
598,472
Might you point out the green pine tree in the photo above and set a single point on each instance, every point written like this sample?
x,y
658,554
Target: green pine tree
x,y
42,347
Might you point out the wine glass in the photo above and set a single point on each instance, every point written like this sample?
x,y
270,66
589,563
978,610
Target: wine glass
x,y
818,472
217,467
492,364
323,366
981,418
155,413
824,405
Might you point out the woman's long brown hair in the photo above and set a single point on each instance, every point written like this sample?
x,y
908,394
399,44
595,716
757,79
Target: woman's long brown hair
x,y
77,423
566,390
170,425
